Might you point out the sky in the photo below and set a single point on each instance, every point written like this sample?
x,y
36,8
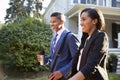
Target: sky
x,y
4,5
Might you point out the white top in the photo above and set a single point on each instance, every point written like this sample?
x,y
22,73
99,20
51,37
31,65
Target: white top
x,y
79,60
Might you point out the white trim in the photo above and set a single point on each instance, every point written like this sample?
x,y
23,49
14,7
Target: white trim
x,y
117,0
118,40
79,1
79,27
108,3
97,2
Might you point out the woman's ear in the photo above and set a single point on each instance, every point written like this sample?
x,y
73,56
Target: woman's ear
x,y
95,21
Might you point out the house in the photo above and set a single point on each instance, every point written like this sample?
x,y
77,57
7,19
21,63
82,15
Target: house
x,y
72,9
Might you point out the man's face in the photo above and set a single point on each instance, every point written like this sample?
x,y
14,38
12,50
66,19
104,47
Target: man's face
x,y
56,24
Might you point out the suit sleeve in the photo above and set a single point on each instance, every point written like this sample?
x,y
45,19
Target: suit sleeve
x,y
98,48
47,59
73,45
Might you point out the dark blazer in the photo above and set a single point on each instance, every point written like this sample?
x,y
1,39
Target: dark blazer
x,y
70,49
95,49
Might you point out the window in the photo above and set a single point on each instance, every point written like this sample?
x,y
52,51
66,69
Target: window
x,y
75,1
118,0
117,3
92,2
102,2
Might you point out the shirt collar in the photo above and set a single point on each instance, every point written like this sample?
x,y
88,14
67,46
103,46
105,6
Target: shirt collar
x,y
60,31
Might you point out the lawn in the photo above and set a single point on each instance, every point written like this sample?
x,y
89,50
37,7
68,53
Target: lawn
x,y
112,76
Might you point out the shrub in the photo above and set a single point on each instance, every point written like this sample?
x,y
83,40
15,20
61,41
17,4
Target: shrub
x,y
113,55
112,62
20,42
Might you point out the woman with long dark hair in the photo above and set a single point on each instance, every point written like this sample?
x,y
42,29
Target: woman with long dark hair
x,y
94,46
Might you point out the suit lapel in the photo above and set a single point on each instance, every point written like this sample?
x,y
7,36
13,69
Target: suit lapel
x,y
51,47
60,42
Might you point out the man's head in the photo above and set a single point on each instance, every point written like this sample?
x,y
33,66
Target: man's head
x,y
57,20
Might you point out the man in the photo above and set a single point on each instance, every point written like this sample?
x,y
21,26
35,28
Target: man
x,y
63,67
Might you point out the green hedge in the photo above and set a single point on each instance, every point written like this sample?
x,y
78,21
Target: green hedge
x,y
20,43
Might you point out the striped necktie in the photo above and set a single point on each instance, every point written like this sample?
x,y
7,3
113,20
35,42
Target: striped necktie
x,y
54,42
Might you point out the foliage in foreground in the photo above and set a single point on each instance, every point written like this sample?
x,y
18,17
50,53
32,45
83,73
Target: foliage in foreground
x,y
20,43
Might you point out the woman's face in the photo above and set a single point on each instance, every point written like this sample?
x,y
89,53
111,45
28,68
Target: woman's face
x,y
56,24
87,23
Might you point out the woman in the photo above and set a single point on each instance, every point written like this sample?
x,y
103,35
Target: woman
x,y
94,45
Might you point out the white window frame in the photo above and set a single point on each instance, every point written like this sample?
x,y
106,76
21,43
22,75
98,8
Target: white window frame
x,y
97,3
117,0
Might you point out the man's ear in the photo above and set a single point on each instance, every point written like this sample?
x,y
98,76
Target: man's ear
x,y
62,21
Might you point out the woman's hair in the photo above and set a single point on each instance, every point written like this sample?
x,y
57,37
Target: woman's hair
x,y
59,15
96,14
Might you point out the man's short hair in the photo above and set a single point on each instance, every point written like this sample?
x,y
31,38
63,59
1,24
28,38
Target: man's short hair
x,y
59,15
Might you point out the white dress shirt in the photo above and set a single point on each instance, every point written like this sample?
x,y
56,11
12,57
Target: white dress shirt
x,y
59,34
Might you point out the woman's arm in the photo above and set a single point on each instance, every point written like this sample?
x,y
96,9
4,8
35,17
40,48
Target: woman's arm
x,y
78,76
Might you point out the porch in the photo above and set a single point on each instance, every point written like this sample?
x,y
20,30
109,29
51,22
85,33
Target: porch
x,y
116,51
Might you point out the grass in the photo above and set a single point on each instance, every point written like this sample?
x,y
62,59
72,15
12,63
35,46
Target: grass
x,y
112,76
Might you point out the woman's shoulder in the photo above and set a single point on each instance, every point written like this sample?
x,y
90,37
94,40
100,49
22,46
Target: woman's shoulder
x,y
102,33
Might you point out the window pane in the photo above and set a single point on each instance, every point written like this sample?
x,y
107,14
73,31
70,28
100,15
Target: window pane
x,y
75,1
118,4
102,2
92,1
118,0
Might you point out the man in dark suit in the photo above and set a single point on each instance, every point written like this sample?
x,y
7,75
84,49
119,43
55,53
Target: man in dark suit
x,y
63,67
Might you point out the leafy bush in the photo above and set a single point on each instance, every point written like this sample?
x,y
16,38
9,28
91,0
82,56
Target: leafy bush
x,y
113,55
20,43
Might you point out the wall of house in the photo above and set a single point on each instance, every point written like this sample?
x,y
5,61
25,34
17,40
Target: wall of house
x,y
70,4
56,6
60,6
108,29
73,24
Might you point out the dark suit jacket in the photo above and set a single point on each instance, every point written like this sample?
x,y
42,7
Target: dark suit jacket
x,y
95,49
70,49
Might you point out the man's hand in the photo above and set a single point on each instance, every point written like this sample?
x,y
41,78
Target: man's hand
x,y
55,75
39,58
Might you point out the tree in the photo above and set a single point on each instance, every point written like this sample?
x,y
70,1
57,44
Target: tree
x,y
20,9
